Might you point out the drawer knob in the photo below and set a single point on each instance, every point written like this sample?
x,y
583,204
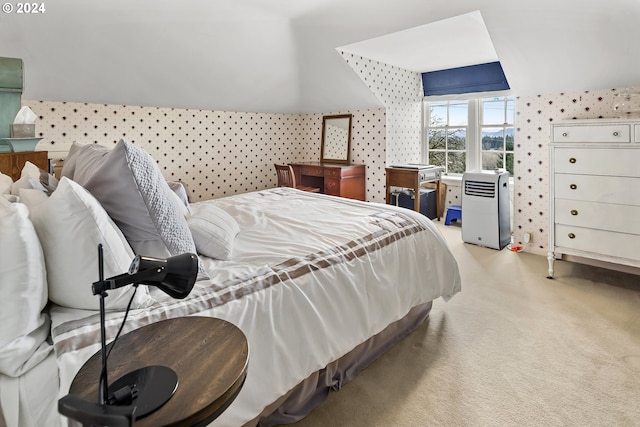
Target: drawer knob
x,y
574,212
572,236
573,186
615,134
565,134
572,160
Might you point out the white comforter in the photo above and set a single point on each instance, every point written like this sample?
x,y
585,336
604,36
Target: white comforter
x,y
311,277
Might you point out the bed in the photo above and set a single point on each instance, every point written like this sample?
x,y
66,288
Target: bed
x,y
348,279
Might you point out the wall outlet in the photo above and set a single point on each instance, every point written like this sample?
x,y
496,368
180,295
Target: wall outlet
x,y
528,236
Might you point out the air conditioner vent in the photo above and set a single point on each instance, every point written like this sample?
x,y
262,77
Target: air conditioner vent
x,y
480,189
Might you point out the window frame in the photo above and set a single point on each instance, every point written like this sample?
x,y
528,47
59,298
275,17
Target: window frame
x,y
475,119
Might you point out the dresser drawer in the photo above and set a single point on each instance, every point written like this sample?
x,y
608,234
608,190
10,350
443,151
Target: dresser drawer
x,y
333,172
344,171
621,245
592,133
610,161
603,189
312,170
621,218
332,186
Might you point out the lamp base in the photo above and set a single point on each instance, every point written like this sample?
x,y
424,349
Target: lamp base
x,y
154,384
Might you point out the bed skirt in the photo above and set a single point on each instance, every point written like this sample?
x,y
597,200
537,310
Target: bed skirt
x,y
311,392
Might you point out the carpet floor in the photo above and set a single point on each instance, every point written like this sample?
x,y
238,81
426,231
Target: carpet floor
x,y
512,349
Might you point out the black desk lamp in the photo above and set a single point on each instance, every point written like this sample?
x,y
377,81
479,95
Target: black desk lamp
x,y
144,390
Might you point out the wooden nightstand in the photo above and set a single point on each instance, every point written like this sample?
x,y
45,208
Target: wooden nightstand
x,y
209,355
12,163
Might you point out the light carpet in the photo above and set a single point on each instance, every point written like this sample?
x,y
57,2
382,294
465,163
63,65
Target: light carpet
x,y
512,349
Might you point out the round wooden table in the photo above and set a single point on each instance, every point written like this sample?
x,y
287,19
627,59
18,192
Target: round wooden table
x,y
209,355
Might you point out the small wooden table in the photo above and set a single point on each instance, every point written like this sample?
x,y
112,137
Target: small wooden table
x,y
209,355
412,177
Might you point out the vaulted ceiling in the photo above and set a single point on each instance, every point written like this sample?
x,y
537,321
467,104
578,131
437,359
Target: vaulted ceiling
x,y
281,55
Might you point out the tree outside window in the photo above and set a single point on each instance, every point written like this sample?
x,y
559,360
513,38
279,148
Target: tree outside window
x,y
471,134
497,133
447,135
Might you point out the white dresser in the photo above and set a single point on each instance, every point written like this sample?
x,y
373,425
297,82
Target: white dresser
x,y
595,191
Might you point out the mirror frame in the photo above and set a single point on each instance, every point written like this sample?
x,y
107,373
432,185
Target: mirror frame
x,y
325,121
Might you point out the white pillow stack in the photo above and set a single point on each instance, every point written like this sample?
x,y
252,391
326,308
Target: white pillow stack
x,y
23,292
5,184
70,224
32,177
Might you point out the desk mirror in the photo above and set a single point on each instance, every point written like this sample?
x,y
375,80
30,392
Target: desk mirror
x,y
336,138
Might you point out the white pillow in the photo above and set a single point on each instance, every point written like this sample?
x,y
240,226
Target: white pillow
x,y
23,292
33,177
13,199
71,224
32,197
214,231
5,184
29,170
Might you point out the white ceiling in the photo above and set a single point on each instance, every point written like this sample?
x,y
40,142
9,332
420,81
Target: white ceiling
x,y
467,42
280,55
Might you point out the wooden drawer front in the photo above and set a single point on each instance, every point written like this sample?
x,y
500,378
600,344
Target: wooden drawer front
x,y
312,170
402,177
597,161
344,171
598,241
621,218
592,133
332,186
604,189
333,172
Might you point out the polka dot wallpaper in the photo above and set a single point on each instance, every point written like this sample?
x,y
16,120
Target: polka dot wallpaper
x,y
400,91
216,153
534,115
368,136
223,153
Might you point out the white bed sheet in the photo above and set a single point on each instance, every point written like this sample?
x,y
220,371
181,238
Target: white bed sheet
x,y
311,277
28,400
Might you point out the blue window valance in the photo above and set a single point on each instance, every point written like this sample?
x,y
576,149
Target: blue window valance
x,y
487,77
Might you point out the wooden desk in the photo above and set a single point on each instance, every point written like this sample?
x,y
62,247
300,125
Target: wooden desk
x,y
332,178
412,178
210,357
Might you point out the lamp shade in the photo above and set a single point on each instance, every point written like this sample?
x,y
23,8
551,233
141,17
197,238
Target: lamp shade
x,y
175,275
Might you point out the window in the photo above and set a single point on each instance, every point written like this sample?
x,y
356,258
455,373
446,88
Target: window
x,y
447,133
470,134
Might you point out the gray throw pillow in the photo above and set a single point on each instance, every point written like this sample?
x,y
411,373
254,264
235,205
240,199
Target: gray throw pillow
x,y
82,161
129,185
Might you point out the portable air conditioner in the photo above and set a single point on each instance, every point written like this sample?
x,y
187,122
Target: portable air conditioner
x,y
486,217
